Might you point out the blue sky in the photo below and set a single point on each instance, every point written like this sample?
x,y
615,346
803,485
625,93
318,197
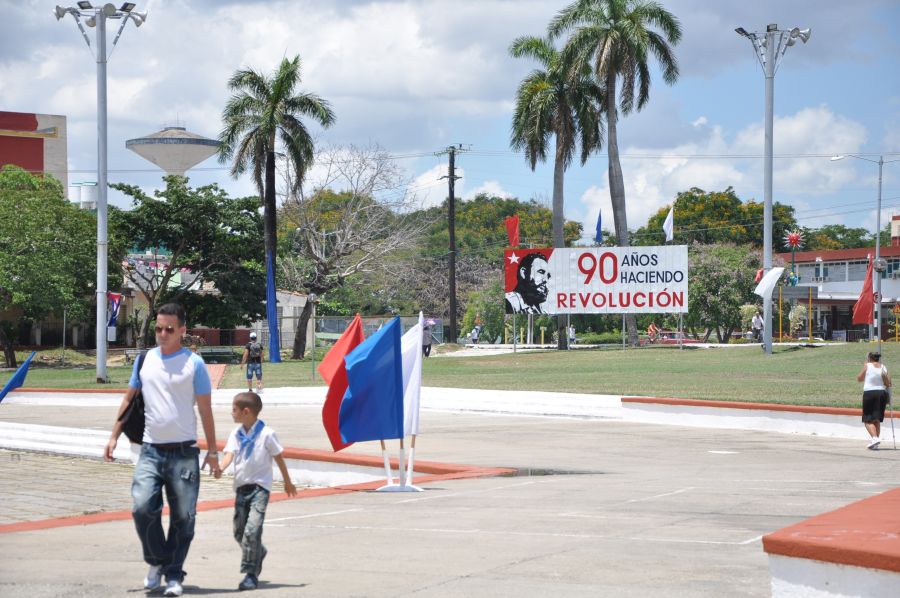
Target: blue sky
x,y
416,77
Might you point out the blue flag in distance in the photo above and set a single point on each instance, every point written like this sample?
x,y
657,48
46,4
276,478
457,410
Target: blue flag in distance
x,y
18,379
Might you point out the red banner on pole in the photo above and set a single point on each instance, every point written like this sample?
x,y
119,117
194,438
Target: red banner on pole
x,y
512,230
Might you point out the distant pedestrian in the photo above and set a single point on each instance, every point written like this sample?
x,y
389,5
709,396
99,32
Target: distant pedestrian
x,y
253,354
252,446
426,340
172,380
475,332
571,330
876,386
756,325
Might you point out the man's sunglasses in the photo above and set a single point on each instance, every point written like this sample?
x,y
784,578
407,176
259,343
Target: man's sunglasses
x,y
169,329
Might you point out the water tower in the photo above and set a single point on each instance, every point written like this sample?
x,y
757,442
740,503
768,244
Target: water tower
x,y
174,149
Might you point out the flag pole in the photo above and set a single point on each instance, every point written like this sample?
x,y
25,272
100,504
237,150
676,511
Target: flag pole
x,y
387,465
401,464
412,458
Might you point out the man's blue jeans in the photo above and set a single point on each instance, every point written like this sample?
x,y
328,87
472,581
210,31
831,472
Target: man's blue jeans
x,y
250,504
177,471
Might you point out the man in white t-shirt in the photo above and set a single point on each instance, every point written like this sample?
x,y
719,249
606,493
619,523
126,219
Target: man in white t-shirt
x,y
252,446
172,380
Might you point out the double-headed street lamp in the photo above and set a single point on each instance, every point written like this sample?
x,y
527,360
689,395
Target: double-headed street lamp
x,y
770,47
879,267
96,16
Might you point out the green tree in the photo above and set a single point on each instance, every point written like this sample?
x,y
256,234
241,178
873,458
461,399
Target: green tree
x,y
551,103
618,37
210,246
716,217
836,236
47,252
721,281
262,111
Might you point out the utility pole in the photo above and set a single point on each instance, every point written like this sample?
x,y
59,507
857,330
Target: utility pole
x,y
451,215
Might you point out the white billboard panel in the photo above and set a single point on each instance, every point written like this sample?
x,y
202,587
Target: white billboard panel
x,y
597,280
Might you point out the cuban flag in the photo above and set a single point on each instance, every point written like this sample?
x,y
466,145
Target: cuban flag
x,y
379,380
115,299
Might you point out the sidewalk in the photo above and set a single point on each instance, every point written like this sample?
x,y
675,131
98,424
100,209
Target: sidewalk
x,y
602,504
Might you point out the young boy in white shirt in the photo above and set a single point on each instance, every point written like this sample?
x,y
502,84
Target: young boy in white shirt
x,y
252,446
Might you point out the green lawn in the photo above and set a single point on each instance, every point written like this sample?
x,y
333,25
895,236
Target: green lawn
x,y
797,375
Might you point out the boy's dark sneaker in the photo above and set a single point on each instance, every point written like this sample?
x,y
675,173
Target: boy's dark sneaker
x,y
248,583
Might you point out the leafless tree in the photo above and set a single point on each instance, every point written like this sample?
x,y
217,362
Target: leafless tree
x,y
358,211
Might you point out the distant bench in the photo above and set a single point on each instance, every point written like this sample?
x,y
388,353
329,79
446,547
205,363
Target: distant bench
x,y
216,353
213,353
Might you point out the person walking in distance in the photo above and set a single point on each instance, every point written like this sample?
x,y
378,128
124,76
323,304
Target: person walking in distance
x,y
876,382
756,325
172,379
253,352
426,340
252,446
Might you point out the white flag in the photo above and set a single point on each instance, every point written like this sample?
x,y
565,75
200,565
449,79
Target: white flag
x,y
669,224
411,354
767,284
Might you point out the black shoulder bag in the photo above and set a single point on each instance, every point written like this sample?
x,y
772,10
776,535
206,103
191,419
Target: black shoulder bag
x,y
133,417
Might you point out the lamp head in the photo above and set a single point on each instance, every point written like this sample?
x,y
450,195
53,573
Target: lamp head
x,y
91,21
742,32
138,18
109,9
60,12
803,34
127,6
85,5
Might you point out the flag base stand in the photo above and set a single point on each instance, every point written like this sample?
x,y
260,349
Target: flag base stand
x,y
399,488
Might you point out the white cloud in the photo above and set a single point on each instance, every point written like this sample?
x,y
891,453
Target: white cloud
x,y
490,188
652,183
431,189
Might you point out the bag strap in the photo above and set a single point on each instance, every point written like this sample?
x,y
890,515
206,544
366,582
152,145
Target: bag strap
x,y
140,365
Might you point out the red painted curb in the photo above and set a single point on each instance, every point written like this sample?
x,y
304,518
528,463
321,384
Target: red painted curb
x,y
118,391
865,533
745,405
439,471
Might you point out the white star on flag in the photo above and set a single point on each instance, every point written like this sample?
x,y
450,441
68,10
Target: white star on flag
x,y
513,258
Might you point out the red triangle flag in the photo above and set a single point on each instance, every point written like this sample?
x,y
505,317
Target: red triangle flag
x,y
512,230
334,371
863,310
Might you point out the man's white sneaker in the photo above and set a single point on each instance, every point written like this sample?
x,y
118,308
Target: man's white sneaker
x,y
173,588
154,578
874,443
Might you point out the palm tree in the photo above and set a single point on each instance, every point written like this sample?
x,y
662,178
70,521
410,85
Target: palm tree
x,y
550,103
261,111
616,39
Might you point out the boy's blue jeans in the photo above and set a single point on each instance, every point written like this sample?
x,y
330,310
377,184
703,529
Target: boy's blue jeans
x,y
250,504
177,470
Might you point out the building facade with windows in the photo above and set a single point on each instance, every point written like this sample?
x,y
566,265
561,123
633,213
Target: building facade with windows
x,y
838,277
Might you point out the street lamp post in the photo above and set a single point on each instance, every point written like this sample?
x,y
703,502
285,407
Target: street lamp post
x,y
770,48
97,17
878,266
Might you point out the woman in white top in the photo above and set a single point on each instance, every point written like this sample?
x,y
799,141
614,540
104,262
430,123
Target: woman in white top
x,y
876,383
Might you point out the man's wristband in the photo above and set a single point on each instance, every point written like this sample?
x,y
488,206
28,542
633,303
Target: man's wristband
x,y
212,454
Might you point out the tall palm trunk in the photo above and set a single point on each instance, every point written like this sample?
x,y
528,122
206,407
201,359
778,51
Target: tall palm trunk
x,y
559,171
270,240
617,185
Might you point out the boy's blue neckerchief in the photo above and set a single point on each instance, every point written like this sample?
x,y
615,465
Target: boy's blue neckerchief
x,y
247,440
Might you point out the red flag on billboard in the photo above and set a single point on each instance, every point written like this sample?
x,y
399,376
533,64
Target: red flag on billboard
x,y
512,230
334,371
863,310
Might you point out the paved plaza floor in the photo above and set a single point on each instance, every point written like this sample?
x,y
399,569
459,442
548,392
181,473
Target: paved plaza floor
x,y
599,508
